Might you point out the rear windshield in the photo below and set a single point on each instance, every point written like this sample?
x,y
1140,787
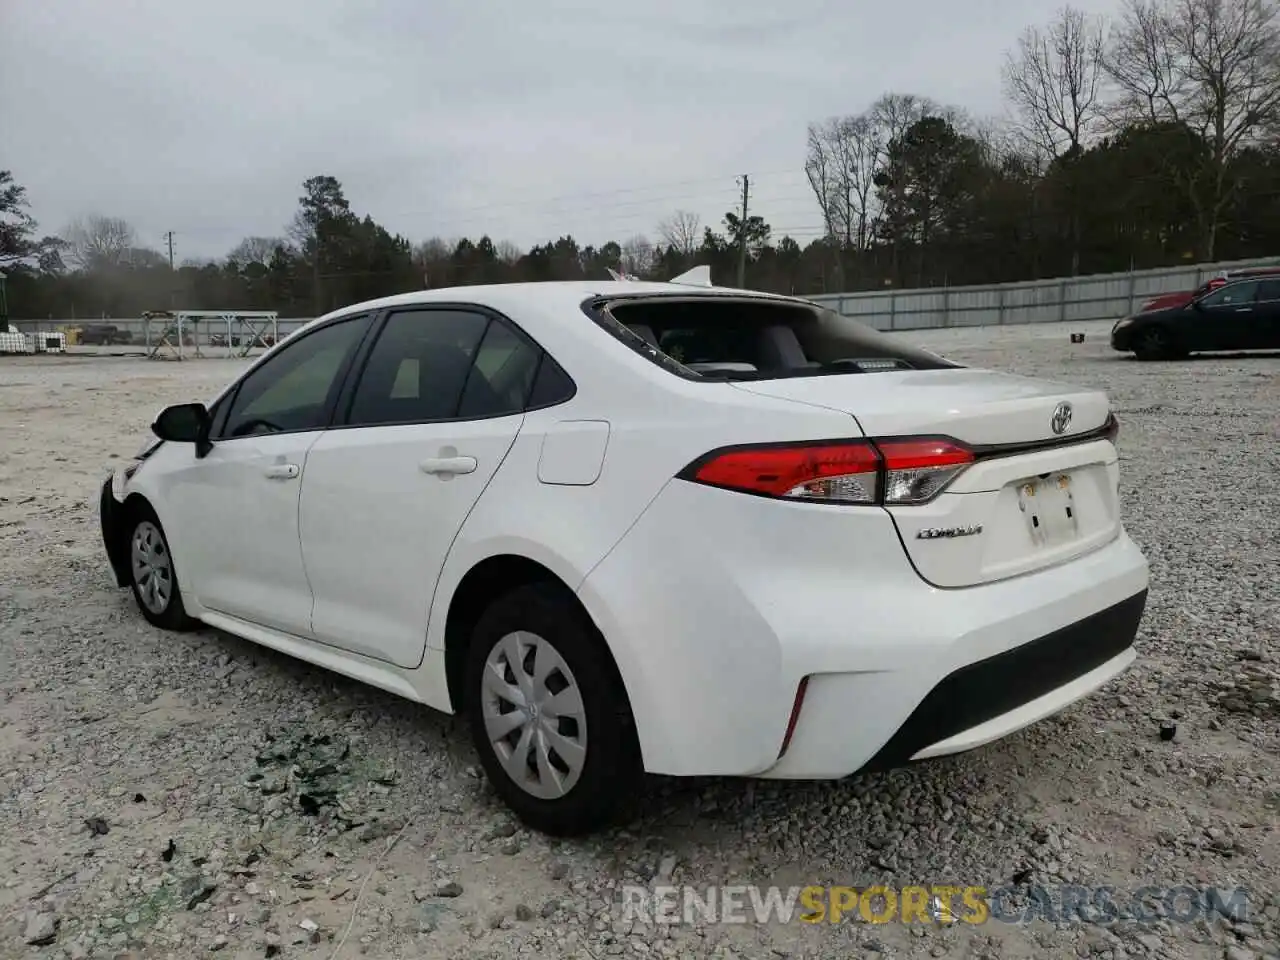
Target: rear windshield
x,y
740,338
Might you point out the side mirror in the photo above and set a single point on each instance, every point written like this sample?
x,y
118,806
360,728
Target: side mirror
x,y
1197,304
183,423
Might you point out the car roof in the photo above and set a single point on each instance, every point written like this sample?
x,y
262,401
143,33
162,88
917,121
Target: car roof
x,y
1245,272
550,295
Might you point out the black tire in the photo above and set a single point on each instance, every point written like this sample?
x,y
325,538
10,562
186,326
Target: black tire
x,y
171,615
611,768
1155,343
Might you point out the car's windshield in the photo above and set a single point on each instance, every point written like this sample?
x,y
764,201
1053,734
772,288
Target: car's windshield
x,y
743,338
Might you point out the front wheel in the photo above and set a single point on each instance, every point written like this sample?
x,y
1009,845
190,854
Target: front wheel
x,y
1154,343
152,575
548,717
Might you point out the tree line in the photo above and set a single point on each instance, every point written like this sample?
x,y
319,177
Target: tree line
x,y
1143,141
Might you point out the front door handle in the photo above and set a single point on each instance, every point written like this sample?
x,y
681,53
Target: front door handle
x,y
282,471
448,466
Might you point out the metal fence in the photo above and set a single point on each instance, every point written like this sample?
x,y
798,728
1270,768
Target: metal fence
x,y
1106,296
144,335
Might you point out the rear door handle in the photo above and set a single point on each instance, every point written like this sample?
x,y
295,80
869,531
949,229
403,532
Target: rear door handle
x,y
282,471
448,466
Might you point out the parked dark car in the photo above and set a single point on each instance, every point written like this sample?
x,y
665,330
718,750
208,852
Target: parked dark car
x,y
104,335
1181,298
1241,314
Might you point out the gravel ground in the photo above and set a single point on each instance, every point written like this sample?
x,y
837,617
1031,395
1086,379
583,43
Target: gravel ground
x,y
177,796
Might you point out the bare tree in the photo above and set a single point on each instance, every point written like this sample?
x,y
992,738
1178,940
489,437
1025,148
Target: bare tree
x,y
1054,82
507,252
842,158
682,230
1211,65
96,242
897,112
637,255
437,248
1142,64
254,250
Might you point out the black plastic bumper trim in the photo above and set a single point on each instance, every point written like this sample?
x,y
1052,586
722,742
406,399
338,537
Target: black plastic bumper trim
x,y
983,690
109,516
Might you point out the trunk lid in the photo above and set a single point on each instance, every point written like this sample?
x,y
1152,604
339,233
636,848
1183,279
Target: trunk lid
x,y
1034,498
979,407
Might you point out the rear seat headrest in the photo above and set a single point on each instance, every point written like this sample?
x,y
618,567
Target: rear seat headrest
x,y
780,348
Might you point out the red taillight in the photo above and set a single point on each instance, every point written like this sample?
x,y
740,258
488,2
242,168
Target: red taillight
x,y
843,471
900,470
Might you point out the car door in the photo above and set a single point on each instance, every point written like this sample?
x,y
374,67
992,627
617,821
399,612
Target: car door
x,y
1265,334
239,502
437,406
1224,320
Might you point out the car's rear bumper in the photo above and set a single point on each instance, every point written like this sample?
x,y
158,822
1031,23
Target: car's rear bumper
x,y
111,520
991,698
716,608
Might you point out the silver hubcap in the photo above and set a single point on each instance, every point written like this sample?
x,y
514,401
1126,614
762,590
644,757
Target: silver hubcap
x,y
533,715
152,568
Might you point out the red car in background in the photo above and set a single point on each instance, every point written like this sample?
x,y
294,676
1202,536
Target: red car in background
x,y
1181,298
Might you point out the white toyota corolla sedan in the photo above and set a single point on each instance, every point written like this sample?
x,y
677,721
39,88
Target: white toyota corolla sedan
x,y
657,527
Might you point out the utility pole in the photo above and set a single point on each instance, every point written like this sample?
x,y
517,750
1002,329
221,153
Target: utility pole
x,y
169,237
742,234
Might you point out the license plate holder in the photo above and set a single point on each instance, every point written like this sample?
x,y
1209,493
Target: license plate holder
x,y
1049,508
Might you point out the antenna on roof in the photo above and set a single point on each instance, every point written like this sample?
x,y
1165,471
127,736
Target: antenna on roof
x,y
697,277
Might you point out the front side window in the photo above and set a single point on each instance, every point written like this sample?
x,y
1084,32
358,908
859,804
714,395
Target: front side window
x,y
1232,295
292,390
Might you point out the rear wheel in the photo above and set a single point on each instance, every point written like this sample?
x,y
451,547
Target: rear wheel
x,y
152,575
548,717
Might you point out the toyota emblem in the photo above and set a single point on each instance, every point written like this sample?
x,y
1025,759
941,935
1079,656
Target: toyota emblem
x,y
1061,418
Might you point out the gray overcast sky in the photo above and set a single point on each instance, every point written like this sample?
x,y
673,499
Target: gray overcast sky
x,y
525,120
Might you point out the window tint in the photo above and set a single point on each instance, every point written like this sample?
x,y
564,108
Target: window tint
x,y
1232,295
551,386
290,391
501,375
1269,290
418,367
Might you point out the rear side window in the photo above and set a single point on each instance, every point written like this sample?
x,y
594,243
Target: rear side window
x,y
551,386
502,375
1268,291
745,338
431,365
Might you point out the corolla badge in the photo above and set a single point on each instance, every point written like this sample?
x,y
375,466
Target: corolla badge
x,y
949,533
1061,418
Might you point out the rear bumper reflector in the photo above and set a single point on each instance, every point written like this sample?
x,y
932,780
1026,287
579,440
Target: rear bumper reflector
x,y
795,715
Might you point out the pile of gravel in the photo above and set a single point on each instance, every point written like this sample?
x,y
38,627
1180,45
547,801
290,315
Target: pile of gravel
x,y
177,796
